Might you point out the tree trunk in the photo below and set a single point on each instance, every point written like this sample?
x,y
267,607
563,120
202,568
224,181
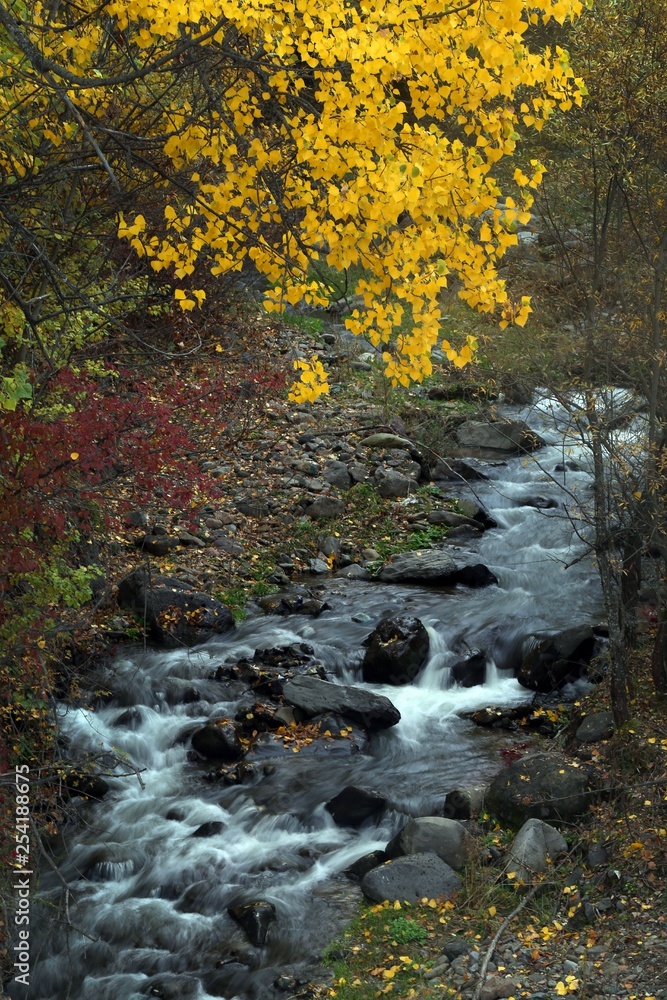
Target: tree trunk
x,y
659,659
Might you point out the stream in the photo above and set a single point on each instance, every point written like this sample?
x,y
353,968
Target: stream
x,y
147,901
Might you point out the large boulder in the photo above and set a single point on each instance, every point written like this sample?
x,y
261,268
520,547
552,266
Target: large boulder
x,y
434,567
433,835
411,878
535,846
498,435
556,659
353,806
540,787
395,651
313,696
175,614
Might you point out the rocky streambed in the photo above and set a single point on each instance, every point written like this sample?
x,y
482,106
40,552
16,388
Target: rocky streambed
x,y
253,771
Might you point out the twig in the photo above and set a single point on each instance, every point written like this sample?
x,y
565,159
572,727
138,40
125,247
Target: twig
x,y
496,937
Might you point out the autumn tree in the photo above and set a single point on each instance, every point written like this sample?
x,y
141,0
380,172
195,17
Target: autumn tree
x,y
365,136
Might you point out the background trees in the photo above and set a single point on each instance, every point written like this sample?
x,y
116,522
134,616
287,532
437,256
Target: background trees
x,y
602,211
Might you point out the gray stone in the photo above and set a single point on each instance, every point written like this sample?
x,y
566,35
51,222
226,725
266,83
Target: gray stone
x,y
253,509
595,727
229,546
136,519
157,544
498,435
336,473
330,546
186,538
314,696
499,988
393,484
451,519
435,835
541,787
358,472
354,572
534,847
411,878
318,566
325,507
435,567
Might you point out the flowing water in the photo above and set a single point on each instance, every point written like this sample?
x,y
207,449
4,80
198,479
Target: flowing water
x,y
145,910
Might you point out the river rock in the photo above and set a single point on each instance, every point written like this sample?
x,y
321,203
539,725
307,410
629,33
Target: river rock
x,y
209,829
395,651
218,742
595,727
411,878
314,697
534,847
422,566
556,659
433,835
175,614
498,435
255,918
353,806
471,671
541,787
454,470
354,572
451,519
366,863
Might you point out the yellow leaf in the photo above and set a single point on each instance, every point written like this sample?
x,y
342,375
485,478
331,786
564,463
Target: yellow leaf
x,y
74,455
492,911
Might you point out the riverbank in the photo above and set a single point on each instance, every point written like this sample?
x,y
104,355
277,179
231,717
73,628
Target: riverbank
x,y
257,535
596,925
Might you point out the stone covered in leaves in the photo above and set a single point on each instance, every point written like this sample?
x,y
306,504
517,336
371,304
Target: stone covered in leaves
x,y
176,615
314,696
395,651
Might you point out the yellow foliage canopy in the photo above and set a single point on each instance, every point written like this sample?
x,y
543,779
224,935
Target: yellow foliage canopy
x,y
360,136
